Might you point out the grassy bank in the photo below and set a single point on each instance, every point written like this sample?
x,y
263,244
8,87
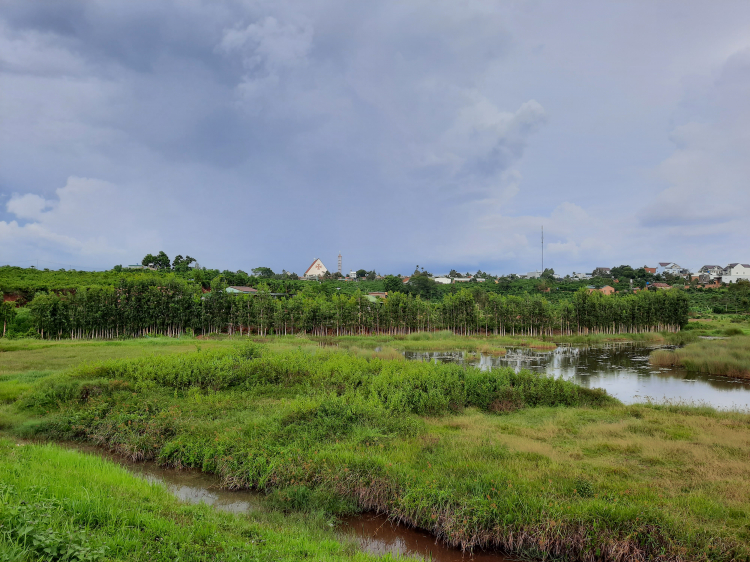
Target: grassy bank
x,y
531,465
98,511
727,357
31,355
24,356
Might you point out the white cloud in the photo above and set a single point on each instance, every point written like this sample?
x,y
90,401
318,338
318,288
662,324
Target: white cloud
x,y
572,236
90,219
28,206
707,174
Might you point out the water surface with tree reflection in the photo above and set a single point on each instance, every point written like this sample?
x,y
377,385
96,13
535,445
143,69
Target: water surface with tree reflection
x,y
622,369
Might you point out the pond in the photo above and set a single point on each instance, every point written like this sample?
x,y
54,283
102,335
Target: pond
x,y
622,369
373,533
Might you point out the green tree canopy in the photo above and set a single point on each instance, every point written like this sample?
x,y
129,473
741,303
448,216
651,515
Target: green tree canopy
x,y
263,272
160,261
393,284
182,264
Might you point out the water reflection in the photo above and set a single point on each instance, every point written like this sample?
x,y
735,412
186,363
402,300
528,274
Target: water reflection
x,y
377,535
373,533
191,486
620,368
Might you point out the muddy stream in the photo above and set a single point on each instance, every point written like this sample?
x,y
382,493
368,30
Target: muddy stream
x,y
373,533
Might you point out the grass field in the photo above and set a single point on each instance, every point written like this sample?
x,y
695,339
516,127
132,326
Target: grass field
x,y
98,511
728,357
531,465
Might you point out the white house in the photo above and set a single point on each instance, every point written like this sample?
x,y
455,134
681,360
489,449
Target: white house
x,y
671,268
533,275
736,271
316,269
581,275
713,271
442,280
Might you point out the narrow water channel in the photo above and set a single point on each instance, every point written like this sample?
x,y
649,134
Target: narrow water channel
x,y
622,369
373,533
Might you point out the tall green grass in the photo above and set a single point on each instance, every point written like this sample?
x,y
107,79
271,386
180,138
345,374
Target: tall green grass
x,y
533,465
412,387
727,357
60,505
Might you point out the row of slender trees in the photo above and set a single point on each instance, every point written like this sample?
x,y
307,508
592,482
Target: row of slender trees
x,y
173,307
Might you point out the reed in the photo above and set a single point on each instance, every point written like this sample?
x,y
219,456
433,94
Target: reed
x,y
663,358
726,357
490,349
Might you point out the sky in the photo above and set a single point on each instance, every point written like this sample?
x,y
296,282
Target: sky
x,y
438,133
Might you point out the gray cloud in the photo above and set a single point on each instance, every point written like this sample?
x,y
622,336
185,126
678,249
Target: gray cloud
x,y
270,133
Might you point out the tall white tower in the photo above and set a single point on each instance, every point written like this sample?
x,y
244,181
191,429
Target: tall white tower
x,y
339,262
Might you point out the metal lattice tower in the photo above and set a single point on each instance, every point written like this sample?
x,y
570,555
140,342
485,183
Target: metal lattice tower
x,y
339,262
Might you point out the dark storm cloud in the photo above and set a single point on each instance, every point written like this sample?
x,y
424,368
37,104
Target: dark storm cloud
x,y
272,132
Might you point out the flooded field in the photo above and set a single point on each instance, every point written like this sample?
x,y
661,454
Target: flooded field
x,y
621,369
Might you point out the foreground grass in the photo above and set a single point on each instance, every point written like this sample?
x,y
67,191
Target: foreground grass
x,y
98,511
520,462
727,357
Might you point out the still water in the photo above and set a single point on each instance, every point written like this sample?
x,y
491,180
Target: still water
x,y
373,533
621,369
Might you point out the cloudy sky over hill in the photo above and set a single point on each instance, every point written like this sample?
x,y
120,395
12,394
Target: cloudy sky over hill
x,y
443,134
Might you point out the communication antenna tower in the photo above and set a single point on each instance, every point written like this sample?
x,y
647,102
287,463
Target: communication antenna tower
x,y
339,262
542,248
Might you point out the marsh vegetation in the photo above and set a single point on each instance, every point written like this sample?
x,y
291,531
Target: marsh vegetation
x,y
516,461
728,357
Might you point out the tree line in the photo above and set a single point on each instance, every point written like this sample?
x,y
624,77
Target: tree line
x,y
173,306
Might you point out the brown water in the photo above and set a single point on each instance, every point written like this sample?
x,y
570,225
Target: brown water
x,y
373,533
622,369
377,535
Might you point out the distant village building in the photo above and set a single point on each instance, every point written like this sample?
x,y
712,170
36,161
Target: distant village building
x,y
442,280
735,272
316,270
709,273
534,275
671,268
606,290
243,290
651,270
713,271
730,274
